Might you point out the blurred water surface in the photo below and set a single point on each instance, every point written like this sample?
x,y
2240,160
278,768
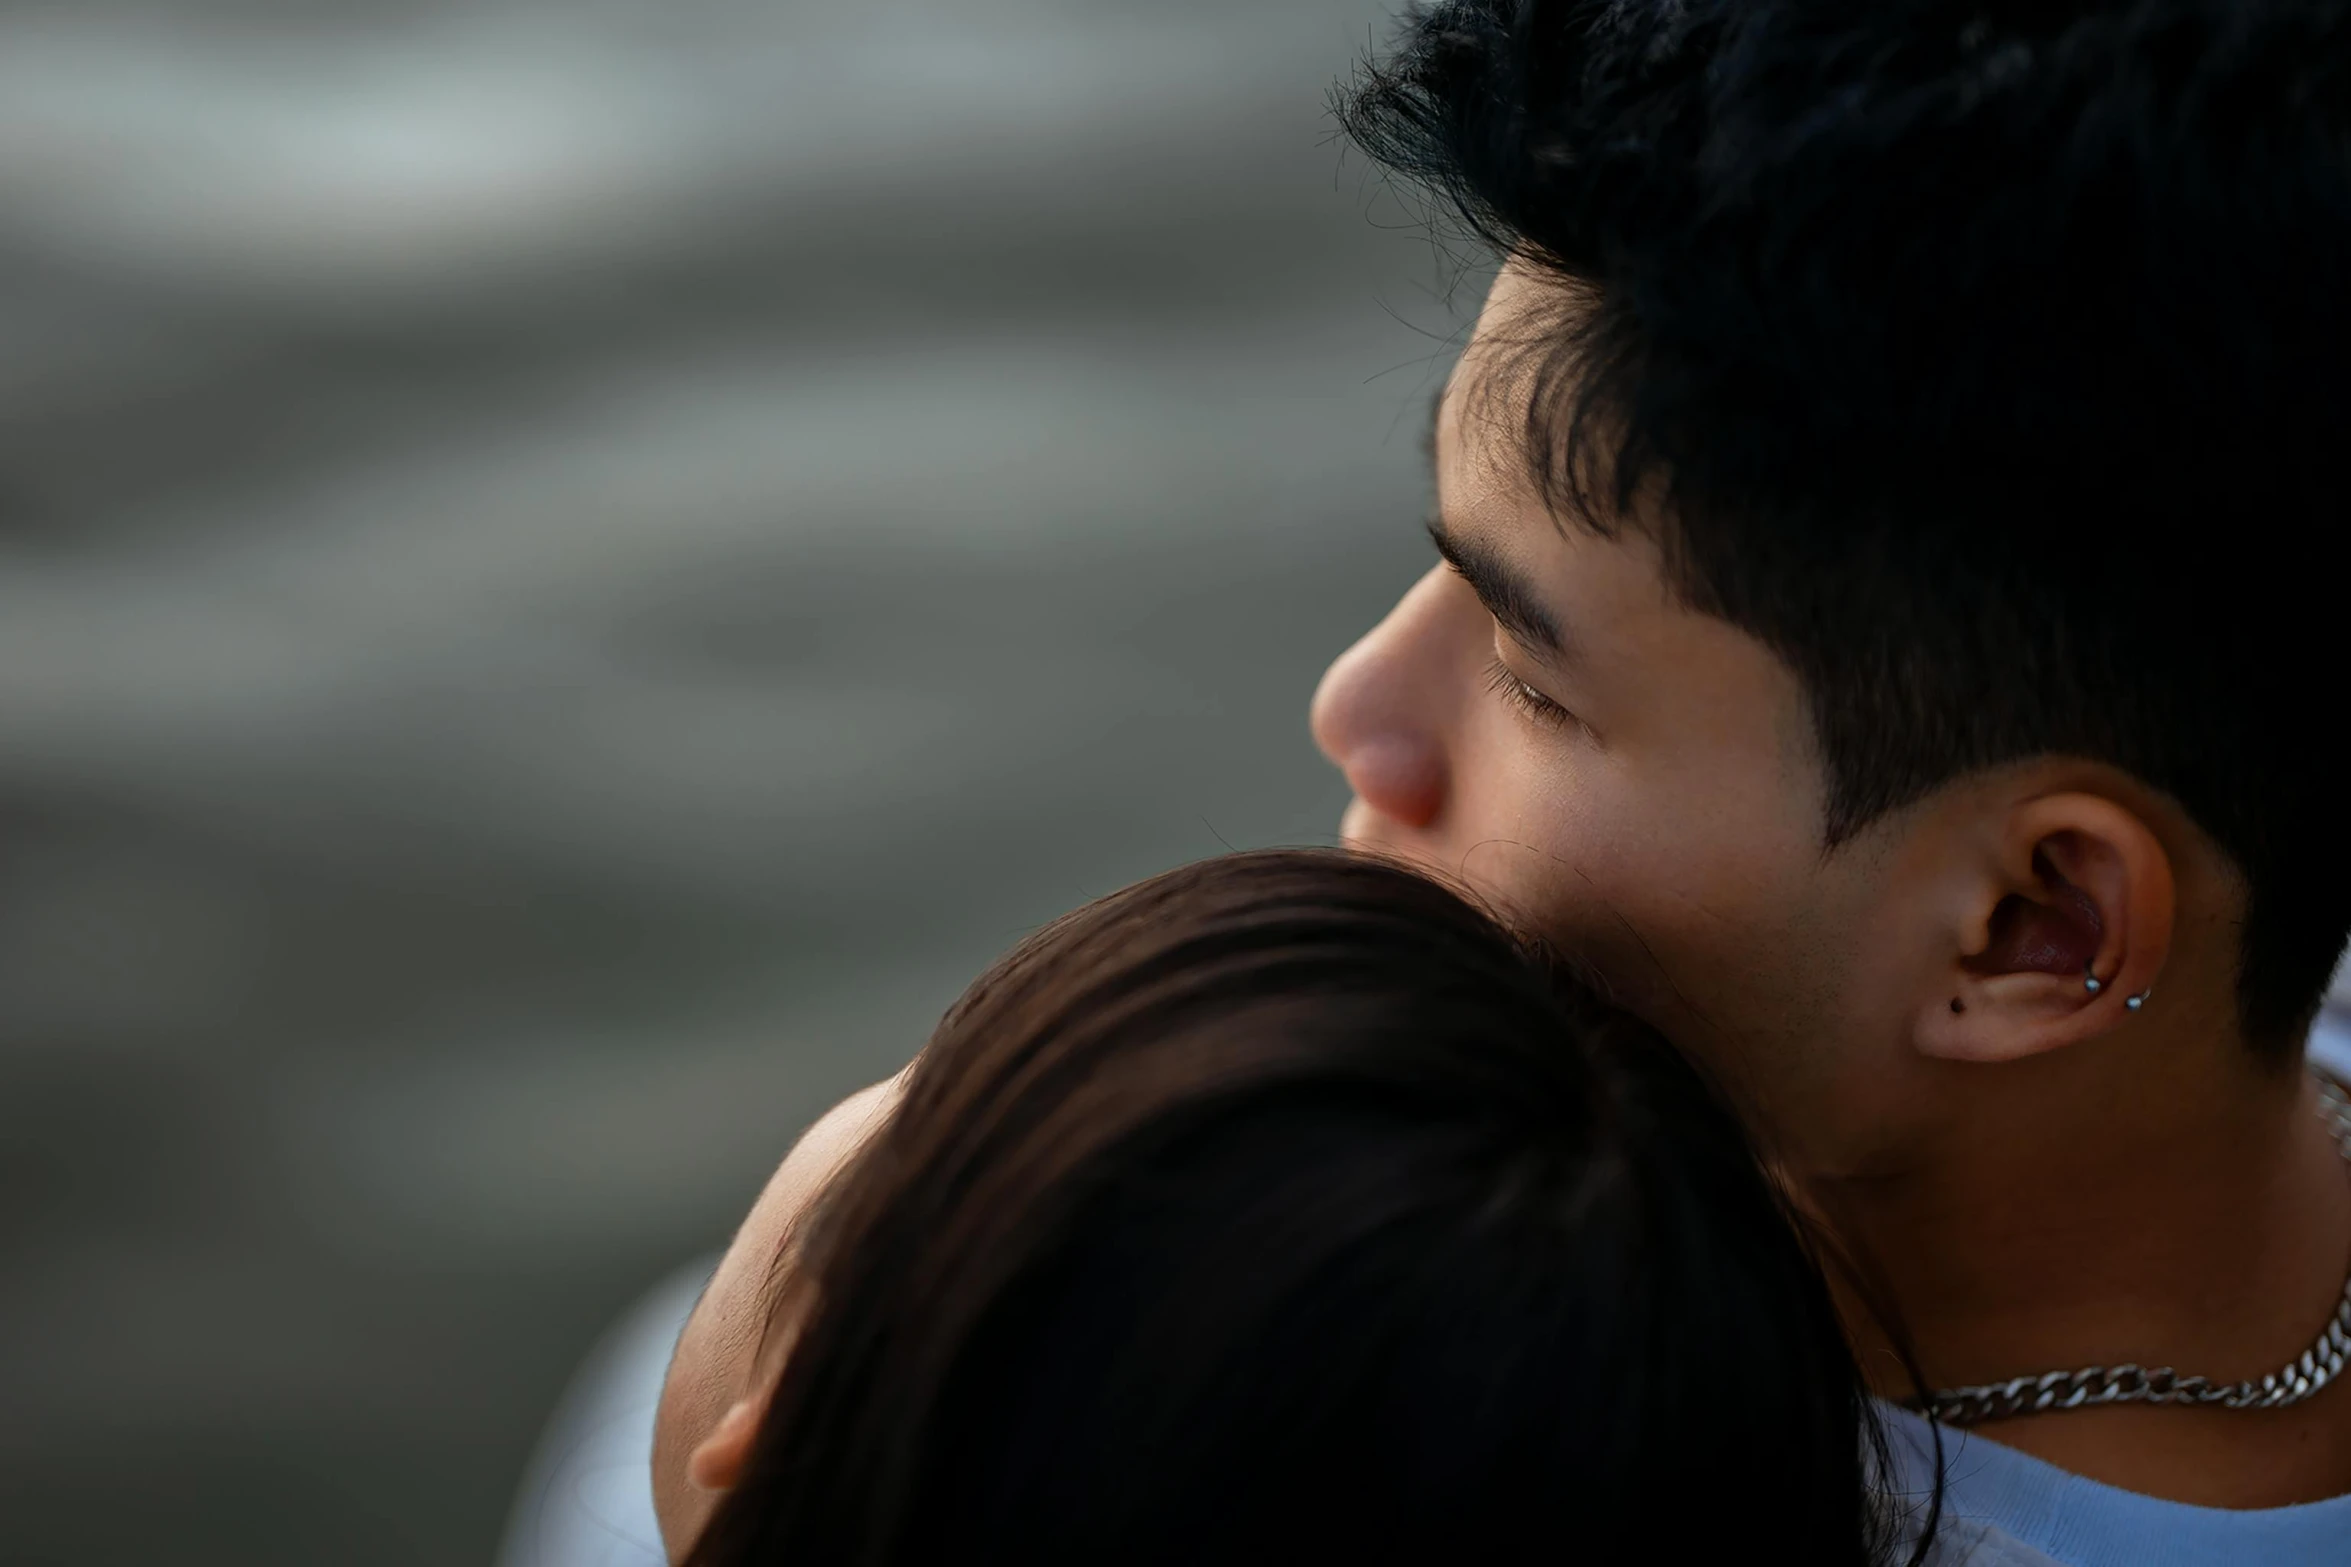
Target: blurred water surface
x,y
568,572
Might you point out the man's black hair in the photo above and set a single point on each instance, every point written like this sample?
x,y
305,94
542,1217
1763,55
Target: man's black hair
x,y
1989,362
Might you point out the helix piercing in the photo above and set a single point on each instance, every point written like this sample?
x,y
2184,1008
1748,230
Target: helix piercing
x,y
2090,980
2139,1000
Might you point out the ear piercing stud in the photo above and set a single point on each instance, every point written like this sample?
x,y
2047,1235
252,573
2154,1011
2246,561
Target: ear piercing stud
x,y
2093,984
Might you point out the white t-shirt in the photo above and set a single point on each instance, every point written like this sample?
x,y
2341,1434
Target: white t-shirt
x,y
587,1498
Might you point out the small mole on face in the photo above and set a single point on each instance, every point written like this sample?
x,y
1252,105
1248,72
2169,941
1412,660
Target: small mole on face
x,y
1957,1006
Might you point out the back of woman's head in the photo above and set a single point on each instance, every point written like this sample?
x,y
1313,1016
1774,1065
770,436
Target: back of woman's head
x,y
1284,1204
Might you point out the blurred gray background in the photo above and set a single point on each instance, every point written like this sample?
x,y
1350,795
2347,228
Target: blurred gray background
x,y
571,572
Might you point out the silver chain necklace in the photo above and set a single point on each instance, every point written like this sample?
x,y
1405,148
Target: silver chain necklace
x,y
2320,1364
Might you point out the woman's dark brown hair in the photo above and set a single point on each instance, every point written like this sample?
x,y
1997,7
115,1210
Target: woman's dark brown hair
x,y
1284,1206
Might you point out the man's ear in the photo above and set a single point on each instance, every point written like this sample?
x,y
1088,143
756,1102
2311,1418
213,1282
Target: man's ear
x,y
718,1462
2065,919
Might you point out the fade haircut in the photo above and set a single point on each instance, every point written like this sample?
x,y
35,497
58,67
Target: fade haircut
x,y
1991,363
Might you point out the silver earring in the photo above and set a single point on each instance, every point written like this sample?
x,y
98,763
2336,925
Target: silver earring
x,y
2091,982
2139,1000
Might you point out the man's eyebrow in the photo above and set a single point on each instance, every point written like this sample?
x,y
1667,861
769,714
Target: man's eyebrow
x,y
1508,597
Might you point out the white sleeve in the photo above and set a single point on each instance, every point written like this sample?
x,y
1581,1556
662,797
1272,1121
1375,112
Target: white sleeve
x,y
587,1498
2329,1048
2330,1036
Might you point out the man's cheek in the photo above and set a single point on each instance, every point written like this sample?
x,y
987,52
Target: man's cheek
x,y
1627,920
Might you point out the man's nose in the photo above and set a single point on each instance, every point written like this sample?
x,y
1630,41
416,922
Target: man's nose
x,y
1381,713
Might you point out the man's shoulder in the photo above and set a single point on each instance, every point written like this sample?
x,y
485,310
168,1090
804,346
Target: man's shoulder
x,y
2004,1508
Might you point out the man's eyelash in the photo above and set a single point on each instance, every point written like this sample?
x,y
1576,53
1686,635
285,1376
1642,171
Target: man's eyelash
x,y
1526,698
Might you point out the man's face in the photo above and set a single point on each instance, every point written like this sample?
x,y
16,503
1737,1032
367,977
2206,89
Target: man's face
x,y
1541,719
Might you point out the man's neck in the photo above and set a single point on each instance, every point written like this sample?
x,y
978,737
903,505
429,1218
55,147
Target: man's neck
x,y
2151,1219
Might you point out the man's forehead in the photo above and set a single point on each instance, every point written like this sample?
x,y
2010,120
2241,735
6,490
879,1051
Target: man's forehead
x,y
1477,449
1528,322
